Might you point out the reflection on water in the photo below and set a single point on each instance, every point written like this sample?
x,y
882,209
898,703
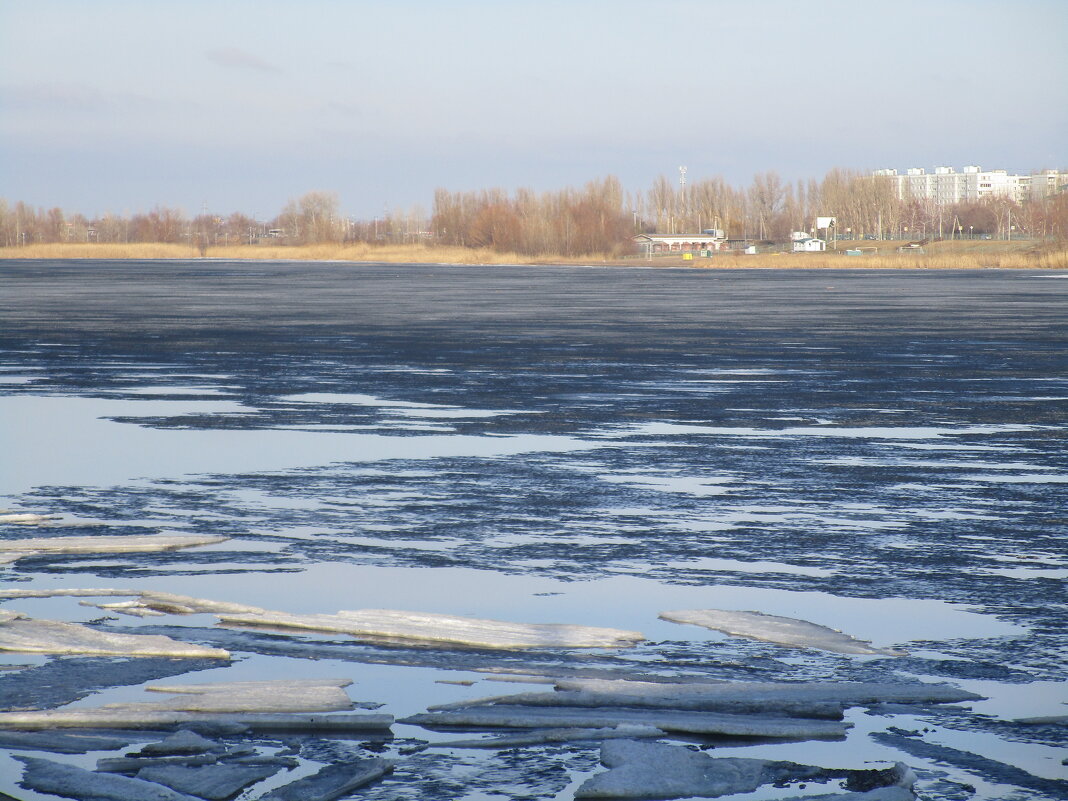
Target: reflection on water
x,y
747,444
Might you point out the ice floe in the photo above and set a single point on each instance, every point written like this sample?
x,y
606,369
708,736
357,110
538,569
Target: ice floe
x,y
522,717
60,742
255,704
132,764
211,782
543,736
829,710
130,543
45,776
181,742
30,635
333,781
25,518
846,693
298,695
375,624
656,770
132,716
389,624
780,630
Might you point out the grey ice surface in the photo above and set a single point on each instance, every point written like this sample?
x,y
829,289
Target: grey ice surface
x,y
132,764
542,736
59,742
332,781
848,693
181,742
133,543
132,716
45,776
829,710
520,717
655,770
439,629
777,629
27,635
213,782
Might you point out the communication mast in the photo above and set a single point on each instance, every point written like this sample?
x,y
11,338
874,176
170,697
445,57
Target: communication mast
x,y
682,177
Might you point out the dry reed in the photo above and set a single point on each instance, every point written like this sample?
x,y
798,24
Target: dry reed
x,y
938,256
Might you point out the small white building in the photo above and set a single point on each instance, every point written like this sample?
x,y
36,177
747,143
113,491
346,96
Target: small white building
x,y
809,245
682,243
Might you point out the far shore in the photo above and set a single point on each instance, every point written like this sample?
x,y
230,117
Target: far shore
x,y
946,255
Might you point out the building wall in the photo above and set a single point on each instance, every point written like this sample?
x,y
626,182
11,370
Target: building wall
x,y
945,186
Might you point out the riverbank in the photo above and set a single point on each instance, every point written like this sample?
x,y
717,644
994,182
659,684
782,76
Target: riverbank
x,y
946,255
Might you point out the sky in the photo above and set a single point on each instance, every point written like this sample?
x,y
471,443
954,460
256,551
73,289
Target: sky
x,y
123,105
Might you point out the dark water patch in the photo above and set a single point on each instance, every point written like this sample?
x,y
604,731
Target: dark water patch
x,y
62,680
989,769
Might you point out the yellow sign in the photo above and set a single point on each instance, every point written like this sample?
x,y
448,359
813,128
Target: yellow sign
x,y
687,256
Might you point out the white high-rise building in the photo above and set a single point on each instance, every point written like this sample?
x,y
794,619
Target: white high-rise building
x,y
945,186
1047,182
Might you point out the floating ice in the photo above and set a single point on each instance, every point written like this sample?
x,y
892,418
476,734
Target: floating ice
x,y
847,432
212,782
378,624
781,630
24,518
444,629
333,781
522,717
182,742
132,764
60,742
137,543
132,716
828,710
847,693
45,776
543,736
288,695
28,635
655,770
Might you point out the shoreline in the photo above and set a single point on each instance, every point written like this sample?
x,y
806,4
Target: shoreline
x,y
946,255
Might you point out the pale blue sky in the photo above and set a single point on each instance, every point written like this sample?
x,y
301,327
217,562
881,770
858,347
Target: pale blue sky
x,y
239,105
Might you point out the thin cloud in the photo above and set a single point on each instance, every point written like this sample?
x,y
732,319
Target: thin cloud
x,y
55,96
235,58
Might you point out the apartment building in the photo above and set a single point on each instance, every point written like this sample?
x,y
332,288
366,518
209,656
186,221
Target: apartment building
x,y
945,186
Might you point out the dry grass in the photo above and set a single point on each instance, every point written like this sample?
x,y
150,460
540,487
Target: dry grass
x,y
92,250
947,255
937,255
354,252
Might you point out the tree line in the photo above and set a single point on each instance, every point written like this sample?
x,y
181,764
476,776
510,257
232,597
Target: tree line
x,y
598,218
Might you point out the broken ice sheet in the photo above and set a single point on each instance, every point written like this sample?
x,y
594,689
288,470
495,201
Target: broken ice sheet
x,y
291,695
844,692
29,635
523,717
378,624
656,770
134,543
773,628
24,518
428,627
69,781
544,736
211,782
